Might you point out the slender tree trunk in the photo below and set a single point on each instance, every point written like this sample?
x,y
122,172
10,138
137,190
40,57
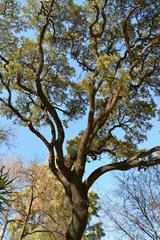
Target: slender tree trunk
x,y
5,223
21,236
3,230
79,213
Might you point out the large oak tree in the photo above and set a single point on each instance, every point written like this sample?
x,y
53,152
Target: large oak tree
x,y
116,46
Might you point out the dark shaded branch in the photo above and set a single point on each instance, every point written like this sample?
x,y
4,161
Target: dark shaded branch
x,y
4,59
125,165
125,31
38,134
25,88
20,116
93,127
6,62
52,127
46,103
94,36
155,41
101,119
80,163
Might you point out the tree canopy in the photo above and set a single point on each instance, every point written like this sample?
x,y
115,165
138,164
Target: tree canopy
x,y
116,47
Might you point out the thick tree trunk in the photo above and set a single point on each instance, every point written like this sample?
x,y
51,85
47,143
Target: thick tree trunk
x,y
77,225
79,213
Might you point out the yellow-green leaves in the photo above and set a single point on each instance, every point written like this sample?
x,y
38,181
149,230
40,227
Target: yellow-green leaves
x,y
106,81
22,60
74,9
104,70
13,68
105,61
122,82
87,83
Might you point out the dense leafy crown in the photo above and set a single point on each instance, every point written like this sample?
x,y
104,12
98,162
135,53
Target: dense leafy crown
x,y
61,61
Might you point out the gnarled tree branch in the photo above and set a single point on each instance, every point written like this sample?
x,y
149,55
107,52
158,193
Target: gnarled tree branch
x,y
132,162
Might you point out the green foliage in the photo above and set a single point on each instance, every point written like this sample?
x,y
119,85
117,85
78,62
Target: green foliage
x,y
5,189
94,232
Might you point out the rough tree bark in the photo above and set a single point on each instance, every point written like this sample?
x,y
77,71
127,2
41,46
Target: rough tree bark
x,y
79,216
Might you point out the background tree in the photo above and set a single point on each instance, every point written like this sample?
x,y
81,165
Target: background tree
x,y
5,178
39,206
133,211
37,209
6,182
5,188
116,45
